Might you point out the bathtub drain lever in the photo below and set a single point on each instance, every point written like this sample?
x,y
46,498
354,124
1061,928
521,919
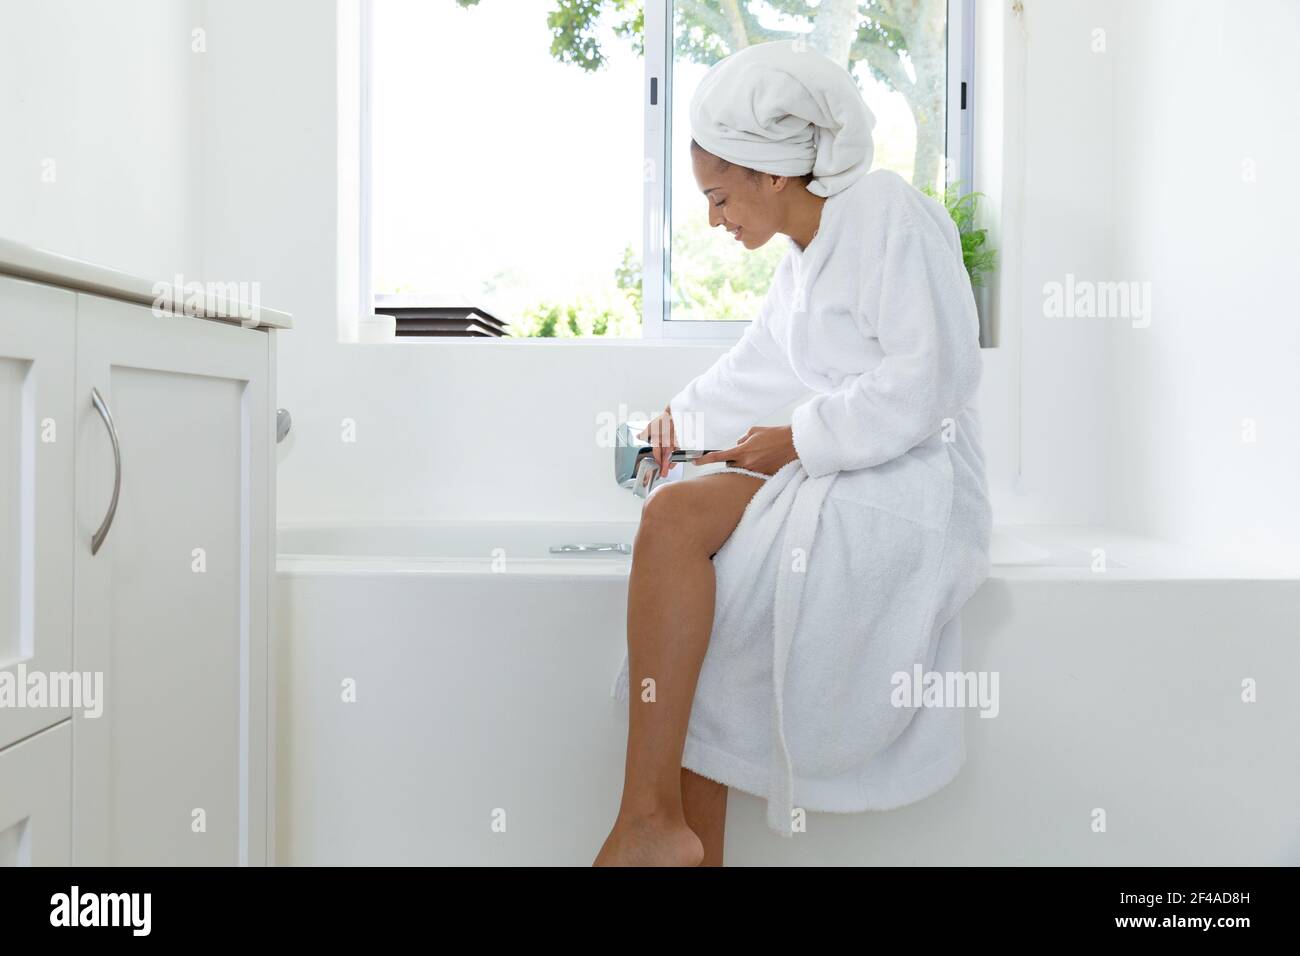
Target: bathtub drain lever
x,y
576,548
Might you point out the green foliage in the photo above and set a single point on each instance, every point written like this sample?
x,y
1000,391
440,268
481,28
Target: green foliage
x,y
628,278
716,278
963,209
880,33
583,317
707,30
573,23
712,276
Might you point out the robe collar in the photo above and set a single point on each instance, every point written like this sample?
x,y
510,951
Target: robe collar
x,y
806,264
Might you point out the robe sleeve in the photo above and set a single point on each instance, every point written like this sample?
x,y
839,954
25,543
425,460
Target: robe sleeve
x,y
750,381
928,331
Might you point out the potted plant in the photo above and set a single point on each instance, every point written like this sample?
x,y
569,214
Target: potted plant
x,y
977,256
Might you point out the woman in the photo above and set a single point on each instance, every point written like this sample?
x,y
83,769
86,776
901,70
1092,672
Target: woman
x,y
772,607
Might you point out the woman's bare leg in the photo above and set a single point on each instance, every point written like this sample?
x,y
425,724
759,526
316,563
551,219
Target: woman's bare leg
x,y
669,621
704,803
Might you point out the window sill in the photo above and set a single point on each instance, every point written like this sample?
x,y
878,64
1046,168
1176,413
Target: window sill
x,y
418,341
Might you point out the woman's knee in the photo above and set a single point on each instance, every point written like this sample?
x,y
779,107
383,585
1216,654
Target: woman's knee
x,y
669,516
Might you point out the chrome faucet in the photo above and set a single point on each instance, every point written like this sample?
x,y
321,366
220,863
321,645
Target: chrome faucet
x,y
634,463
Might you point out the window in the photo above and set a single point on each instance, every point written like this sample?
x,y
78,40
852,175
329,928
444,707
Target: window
x,y
504,164
505,143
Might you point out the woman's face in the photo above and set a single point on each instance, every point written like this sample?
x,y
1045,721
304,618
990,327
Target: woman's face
x,y
742,203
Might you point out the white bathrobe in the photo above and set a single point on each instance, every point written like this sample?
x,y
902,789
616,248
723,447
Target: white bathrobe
x,y
849,565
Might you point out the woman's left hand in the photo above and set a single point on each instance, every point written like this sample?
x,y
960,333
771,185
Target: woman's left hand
x,y
763,449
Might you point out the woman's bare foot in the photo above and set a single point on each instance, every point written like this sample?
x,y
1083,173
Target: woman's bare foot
x,y
651,841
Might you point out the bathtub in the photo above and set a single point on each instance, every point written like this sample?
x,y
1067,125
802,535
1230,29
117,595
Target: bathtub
x,y
443,697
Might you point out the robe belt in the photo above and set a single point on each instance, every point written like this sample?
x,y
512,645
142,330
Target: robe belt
x,y
800,530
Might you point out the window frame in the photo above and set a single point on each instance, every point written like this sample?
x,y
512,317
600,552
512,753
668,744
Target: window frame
x,y
657,92
365,205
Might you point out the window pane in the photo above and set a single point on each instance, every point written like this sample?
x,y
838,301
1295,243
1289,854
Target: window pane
x,y
507,162
895,49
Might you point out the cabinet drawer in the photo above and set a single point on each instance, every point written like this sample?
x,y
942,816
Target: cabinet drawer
x,y
36,800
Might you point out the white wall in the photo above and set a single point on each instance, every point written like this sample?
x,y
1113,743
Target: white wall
x,y
1205,100
109,94
271,208
1043,158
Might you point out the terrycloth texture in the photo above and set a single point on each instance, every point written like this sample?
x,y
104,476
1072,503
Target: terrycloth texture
x,y
785,109
851,563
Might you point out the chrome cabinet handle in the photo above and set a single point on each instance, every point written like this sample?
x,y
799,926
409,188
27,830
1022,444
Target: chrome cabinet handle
x,y
102,407
566,548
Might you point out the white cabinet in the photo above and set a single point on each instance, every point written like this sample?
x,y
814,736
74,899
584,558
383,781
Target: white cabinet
x,y
172,607
37,440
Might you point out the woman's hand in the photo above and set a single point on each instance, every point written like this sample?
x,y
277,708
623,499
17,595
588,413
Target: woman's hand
x,y
662,438
765,450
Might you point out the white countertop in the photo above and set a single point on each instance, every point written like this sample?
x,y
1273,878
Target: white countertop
x,y
208,301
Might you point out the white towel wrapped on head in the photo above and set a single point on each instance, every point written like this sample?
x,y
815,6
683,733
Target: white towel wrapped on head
x,y
785,109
